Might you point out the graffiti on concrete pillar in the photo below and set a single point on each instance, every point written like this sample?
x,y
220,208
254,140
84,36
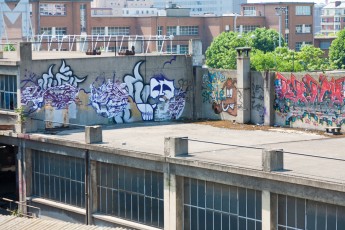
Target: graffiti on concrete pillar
x,y
57,89
309,100
221,92
257,101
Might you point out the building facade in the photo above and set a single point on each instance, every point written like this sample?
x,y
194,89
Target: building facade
x,y
333,18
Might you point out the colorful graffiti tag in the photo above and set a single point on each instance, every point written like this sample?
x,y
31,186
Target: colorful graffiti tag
x,y
159,100
59,90
317,102
221,92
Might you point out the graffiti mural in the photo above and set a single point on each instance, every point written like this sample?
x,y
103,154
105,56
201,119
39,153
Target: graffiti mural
x,y
257,101
221,92
108,98
58,89
311,101
158,100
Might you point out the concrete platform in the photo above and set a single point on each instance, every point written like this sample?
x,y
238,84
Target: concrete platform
x,y
306,155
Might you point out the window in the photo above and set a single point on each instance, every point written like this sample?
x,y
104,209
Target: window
x,y
59,178
118,31
303,10
183,49
296,213
303,29
337,19
325,45
189,30
209,205
286,38
172,49
298,46
159,30
129,193
46,30
171,30
98,31
82,18
8,92
287,17
61,31
247,29
51,9
249,11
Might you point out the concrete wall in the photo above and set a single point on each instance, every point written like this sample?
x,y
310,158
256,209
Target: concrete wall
x,y
107,90
310,100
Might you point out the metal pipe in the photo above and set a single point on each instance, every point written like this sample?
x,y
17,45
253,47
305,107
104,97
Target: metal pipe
x,y
87,188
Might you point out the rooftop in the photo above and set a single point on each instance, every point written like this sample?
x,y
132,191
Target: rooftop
x,y
307,156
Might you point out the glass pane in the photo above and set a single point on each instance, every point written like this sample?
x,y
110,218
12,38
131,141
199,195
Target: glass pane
x,y
201,194
103,199
225,198
233,222
250,224
114,210
193,218
258,205
209,195
340,217
109,177
251,203
142,209
311,212
242,223
233,200
321,216
186,223
121,178
202,220
291,206
186,190
331,217
217,221
194,192
160,186
148,184
148,210
300,213
217,191
209,220
122,204
282,209
128,205
109,201
155,212
135,207
161,214
242,201
225,221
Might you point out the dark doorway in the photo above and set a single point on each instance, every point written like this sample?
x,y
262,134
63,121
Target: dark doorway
x,y
8,176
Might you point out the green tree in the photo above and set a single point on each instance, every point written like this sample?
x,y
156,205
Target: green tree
x,y
222,51
266,40
337,51
311,58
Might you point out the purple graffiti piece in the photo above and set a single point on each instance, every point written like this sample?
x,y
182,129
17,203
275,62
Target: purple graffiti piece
x,y
110,99
32,94
60,96
177,105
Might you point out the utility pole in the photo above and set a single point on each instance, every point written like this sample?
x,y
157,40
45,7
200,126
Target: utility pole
x,y
279,11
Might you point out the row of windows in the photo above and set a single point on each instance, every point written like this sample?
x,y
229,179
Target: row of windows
x,y
209,205
182,30
298,45
130,193
54,31
8,92
295,213
303,10
52,9
111,31
300,10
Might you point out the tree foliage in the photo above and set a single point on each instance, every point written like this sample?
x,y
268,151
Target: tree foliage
x,y
337,51
266,40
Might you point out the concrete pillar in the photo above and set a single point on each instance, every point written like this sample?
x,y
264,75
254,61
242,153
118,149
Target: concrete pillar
x,y
195,49
272,160
21,176
24,51
93,134
269,94
243,85
174,146
268,210
93,201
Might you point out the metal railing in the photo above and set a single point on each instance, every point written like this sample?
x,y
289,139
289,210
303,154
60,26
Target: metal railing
x,y
20,208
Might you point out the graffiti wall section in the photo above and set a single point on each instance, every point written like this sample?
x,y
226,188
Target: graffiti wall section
x,y
63,94
219,94
310,101
258,109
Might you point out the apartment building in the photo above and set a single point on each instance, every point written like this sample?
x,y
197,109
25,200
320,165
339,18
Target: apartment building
x,y
333,18
296,20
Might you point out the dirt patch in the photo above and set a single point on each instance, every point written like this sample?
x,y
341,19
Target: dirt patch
x,y
237,126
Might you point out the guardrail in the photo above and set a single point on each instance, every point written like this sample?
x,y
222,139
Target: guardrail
x,y
13,208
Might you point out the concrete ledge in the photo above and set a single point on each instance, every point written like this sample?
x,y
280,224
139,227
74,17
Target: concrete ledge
x,y
123,222
54,204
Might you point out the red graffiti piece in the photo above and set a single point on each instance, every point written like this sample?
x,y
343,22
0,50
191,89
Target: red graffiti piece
x,y
292,89
311,86
310,90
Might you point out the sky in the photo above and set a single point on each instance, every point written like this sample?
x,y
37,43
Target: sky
x,y
256,1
